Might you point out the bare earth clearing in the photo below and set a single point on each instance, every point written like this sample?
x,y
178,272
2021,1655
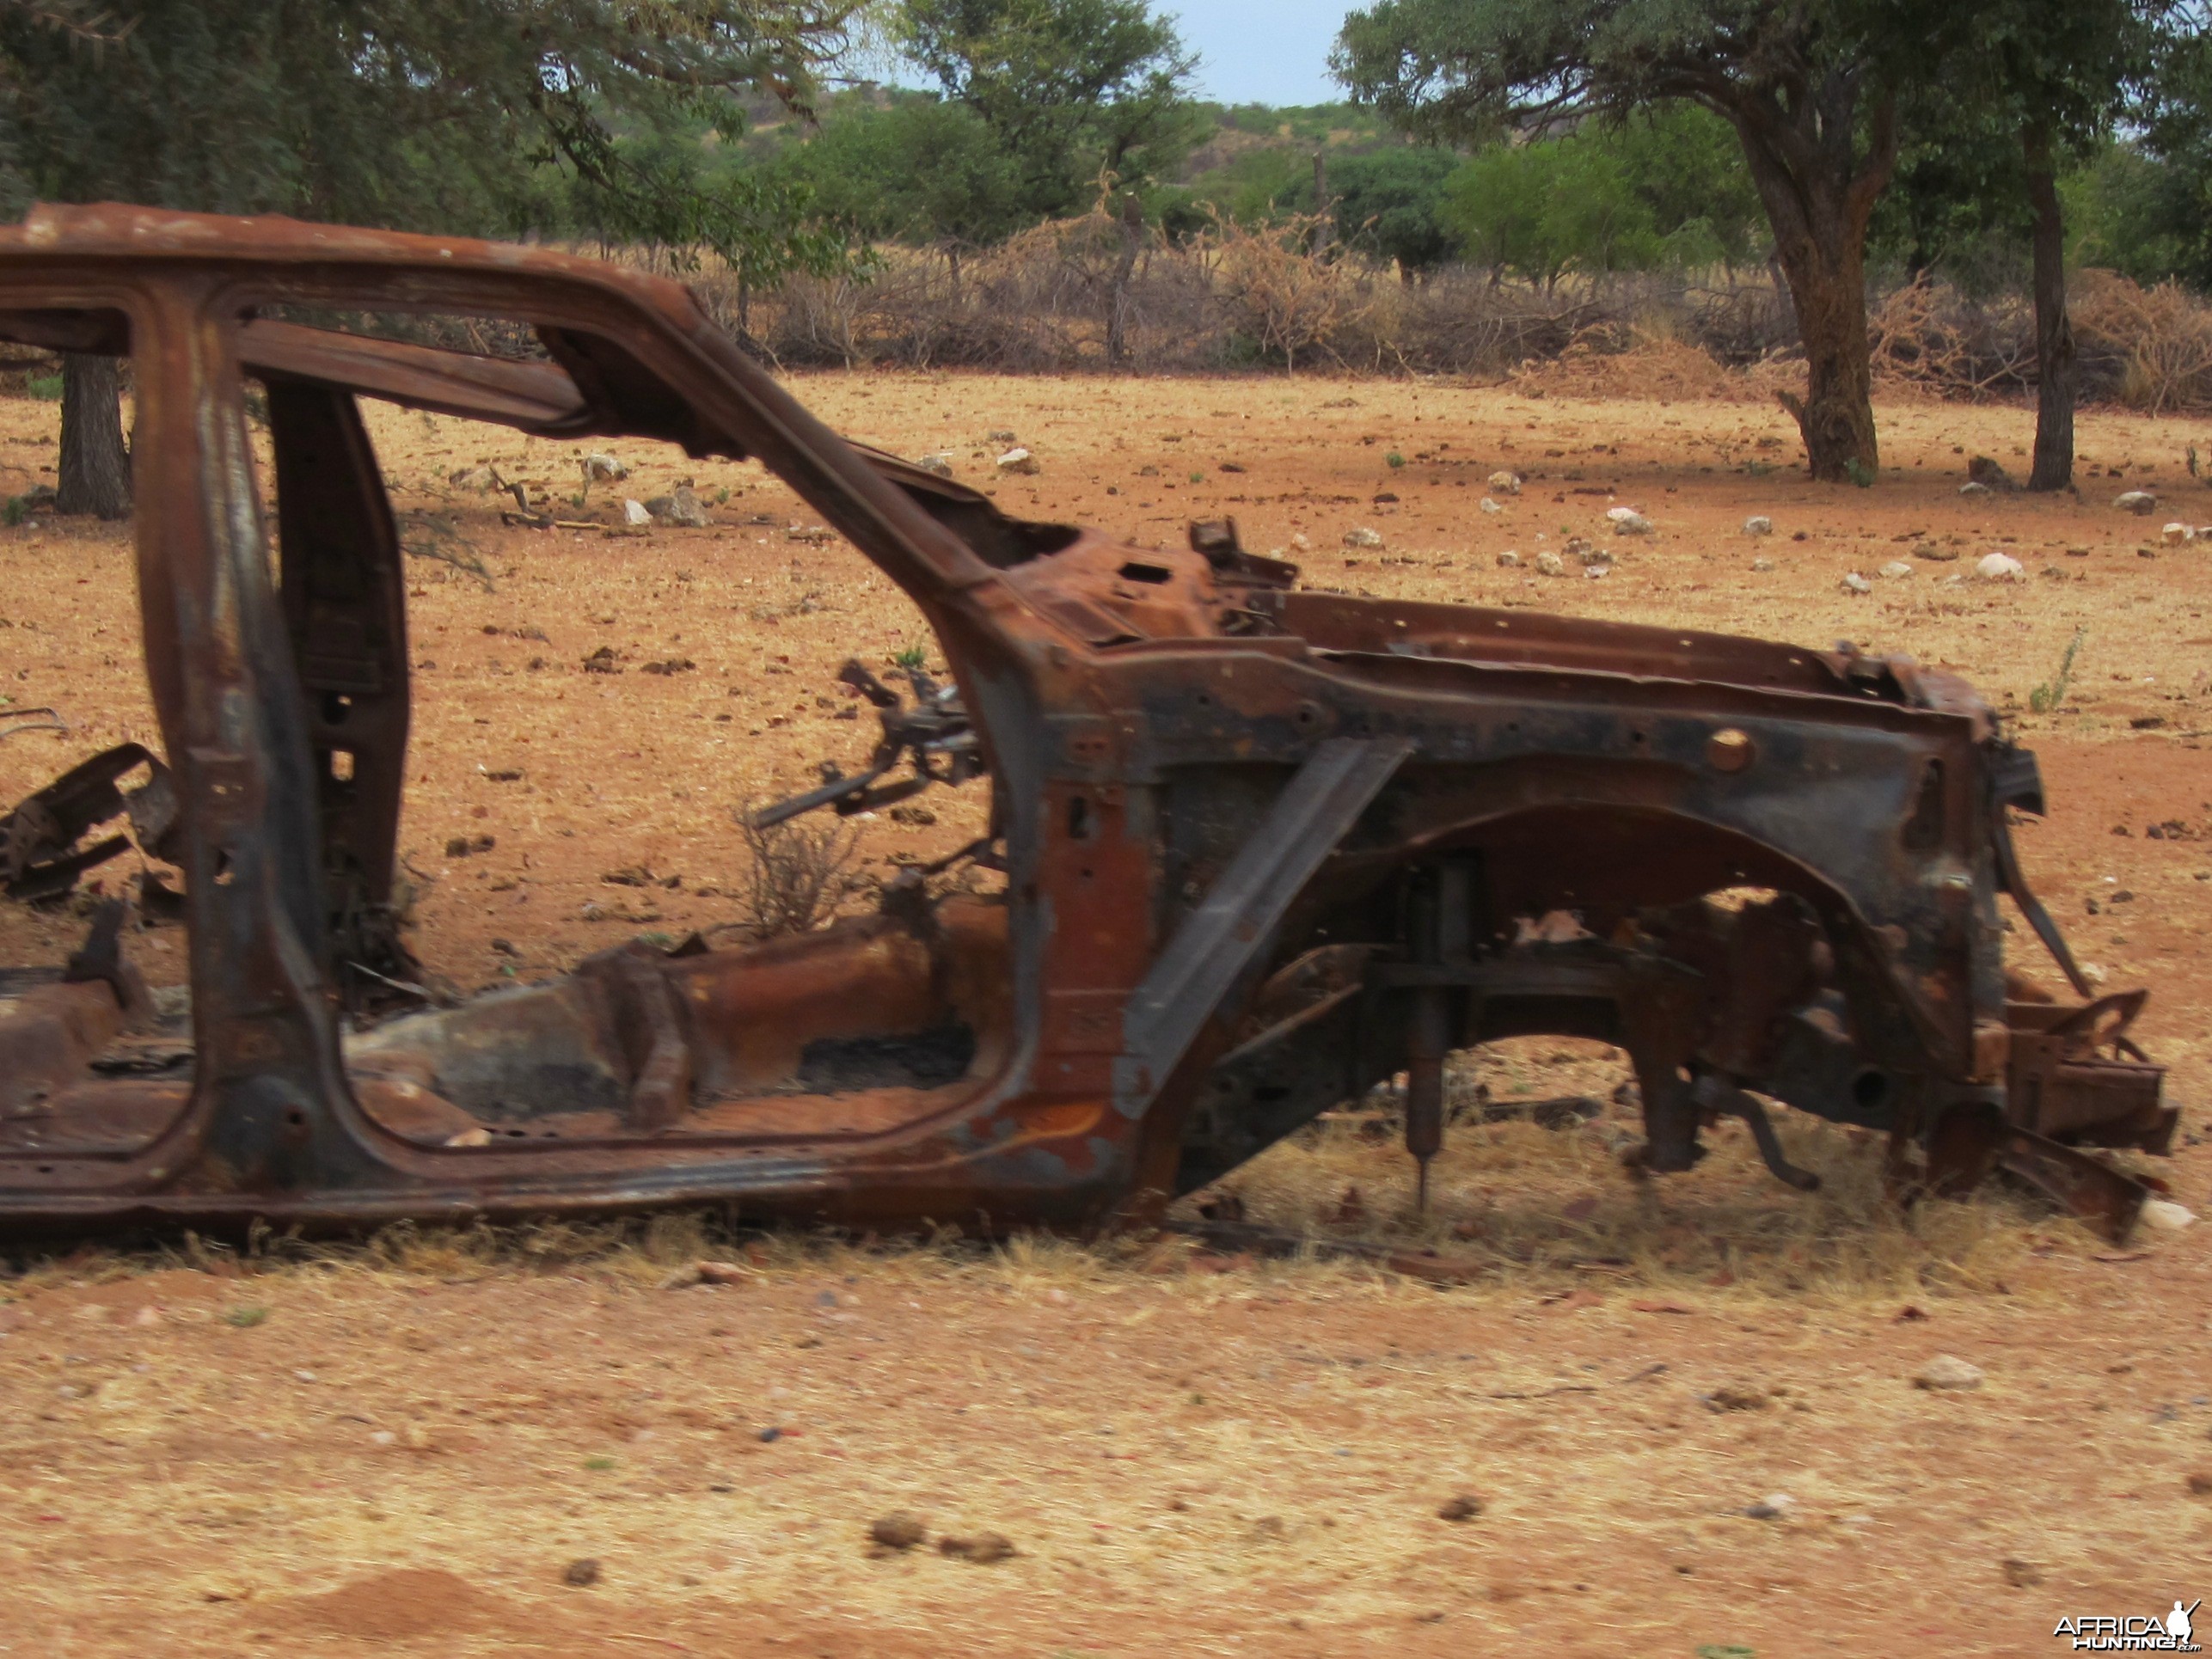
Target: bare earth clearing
x,y
403,1448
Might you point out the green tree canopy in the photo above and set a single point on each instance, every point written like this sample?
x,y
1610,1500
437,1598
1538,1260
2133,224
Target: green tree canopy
x,y
1070,88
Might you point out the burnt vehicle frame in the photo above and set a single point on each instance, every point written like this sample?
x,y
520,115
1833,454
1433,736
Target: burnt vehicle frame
x,y
1264,846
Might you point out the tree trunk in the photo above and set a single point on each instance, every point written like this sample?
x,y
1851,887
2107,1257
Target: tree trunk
x,y
2057,372
1819,195
1132,244
1828,289
96,466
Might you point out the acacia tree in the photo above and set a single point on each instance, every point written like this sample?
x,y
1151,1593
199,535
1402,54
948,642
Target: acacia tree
x,y
2056,73
535,114
1071,89
1810,88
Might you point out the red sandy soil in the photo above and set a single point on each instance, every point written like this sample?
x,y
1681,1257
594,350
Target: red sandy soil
x,y
407,1451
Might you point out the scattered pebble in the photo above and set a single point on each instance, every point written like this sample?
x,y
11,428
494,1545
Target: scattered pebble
x,y
1733,1399
1628,521
983,1548
898,1530
1854,583
2164,1215
1019,461
634,514
1488,505
1758,524
1773,1507
1550,564
1509,559
1896,569
1506,483
1362,537
937,461
999,435
2175,533
1465,1507
1762,565
582,1573
1999,567
2021,1575
2136,501
1947,1371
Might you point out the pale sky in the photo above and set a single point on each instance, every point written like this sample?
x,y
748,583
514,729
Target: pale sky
x,y
1267,51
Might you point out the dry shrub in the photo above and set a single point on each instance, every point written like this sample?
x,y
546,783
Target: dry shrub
x,y
1927,335
797,873
2154,345
1282,294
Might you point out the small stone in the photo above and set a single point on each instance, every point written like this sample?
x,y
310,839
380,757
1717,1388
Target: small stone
x,y
983,1548
937,461
604,469
1733,1399
582,1573
1465,1507
1362,537
1019,461
1628,521
2177,533
898,1530
2164,1215
1509,559
1773,1507
1762,565
1896,569
2199,1481
999,435
683,508
1948,1372
769,1436
1972,489
1488,505
2139,502
1999,567
1550,564
1854,583
1758,524
1934,555
634,514
2021,1575
1506,483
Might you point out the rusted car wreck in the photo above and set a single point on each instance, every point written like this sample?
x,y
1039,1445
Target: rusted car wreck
x,y
1263,845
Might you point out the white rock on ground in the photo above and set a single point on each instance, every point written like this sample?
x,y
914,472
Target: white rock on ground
x,y
1758,524
1506,483
2134,501
936,461
1488,505
1947,1371
998,435
2164,1215
1896,568
634,514
1628,521
1999,567
2175,533
1362,537
1509,559
601,468
1762,563
683,508
1854,583
1550,564
1018,461
1972,489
